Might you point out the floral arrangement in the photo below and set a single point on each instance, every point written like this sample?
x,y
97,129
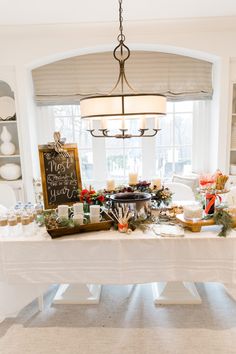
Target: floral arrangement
x,y
163,195
91,197
141,186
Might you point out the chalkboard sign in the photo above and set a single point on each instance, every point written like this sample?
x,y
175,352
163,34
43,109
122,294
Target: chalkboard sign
x,y
60,175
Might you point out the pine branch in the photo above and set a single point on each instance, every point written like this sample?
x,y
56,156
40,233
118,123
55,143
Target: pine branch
x,y
222,217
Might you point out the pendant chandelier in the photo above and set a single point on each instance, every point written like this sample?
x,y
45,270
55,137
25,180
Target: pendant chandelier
x,y
122,105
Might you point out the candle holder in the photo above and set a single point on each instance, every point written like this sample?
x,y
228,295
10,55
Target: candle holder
x,y
124,134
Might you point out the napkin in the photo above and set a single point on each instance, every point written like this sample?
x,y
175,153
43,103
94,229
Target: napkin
x,y
168,230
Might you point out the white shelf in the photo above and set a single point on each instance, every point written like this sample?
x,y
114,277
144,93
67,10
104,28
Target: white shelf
x,y
8,156
12,126
12,182
8,121
234,114
233,149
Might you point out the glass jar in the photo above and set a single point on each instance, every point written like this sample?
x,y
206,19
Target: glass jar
x,y
123,228
26,227
3,226
12,225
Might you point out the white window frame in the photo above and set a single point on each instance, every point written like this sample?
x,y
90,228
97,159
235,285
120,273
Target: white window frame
x,y
201,123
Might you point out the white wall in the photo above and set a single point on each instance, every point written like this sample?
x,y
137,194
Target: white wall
x,y
25,47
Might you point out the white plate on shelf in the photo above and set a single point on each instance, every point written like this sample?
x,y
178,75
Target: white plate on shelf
x,y
7,107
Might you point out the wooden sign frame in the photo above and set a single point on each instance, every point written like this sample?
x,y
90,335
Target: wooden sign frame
x,y
70,148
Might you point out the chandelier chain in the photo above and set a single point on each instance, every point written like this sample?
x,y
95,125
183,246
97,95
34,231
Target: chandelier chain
x,y
124,104
121,36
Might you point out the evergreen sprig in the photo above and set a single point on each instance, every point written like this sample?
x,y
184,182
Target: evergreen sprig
x,y
141,223
222,217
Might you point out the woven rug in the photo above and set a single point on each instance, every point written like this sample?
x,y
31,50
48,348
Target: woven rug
x,y
125,322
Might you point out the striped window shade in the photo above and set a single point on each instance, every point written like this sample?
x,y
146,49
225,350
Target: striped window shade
x,y
176,76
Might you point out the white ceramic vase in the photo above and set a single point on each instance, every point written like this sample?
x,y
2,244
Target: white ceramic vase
x,y
10,171
7,147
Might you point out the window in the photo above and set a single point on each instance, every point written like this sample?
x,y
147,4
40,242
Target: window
x,y
171,151
123,155
174,142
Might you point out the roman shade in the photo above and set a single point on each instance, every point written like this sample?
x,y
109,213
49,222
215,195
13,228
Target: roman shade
x,y
176,76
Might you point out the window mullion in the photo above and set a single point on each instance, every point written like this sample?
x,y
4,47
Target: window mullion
x,y
173,137
99,159
148,146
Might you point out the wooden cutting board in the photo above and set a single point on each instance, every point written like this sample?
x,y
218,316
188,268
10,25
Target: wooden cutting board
x,y
194,226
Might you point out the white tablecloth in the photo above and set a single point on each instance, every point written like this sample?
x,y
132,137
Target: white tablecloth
x,y
112,258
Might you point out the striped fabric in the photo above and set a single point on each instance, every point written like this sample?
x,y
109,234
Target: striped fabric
x,y
177,77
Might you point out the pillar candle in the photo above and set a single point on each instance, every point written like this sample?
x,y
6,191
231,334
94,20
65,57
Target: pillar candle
x,y
90,124
110,185
157,123
133,179
143,122
103,123
157,183
123,123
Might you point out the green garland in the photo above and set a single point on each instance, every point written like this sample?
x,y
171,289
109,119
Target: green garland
x,y
222,217
141,223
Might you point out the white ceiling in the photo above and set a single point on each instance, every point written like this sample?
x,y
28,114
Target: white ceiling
x,y
23,12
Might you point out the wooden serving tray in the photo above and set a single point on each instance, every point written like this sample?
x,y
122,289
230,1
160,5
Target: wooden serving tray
x,y
65,231
194,226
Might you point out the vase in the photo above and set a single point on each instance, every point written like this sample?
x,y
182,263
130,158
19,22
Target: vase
x,y
210,201
7,147
5,135
86,208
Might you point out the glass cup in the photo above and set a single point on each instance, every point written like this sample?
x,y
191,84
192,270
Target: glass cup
x,y
123,227
3,226
12,225
26,227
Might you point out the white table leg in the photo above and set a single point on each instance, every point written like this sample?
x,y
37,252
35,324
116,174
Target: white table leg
x,y
231,290
81,294
175,293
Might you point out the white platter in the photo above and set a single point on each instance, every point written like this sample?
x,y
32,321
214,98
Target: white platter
x,y
7,108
